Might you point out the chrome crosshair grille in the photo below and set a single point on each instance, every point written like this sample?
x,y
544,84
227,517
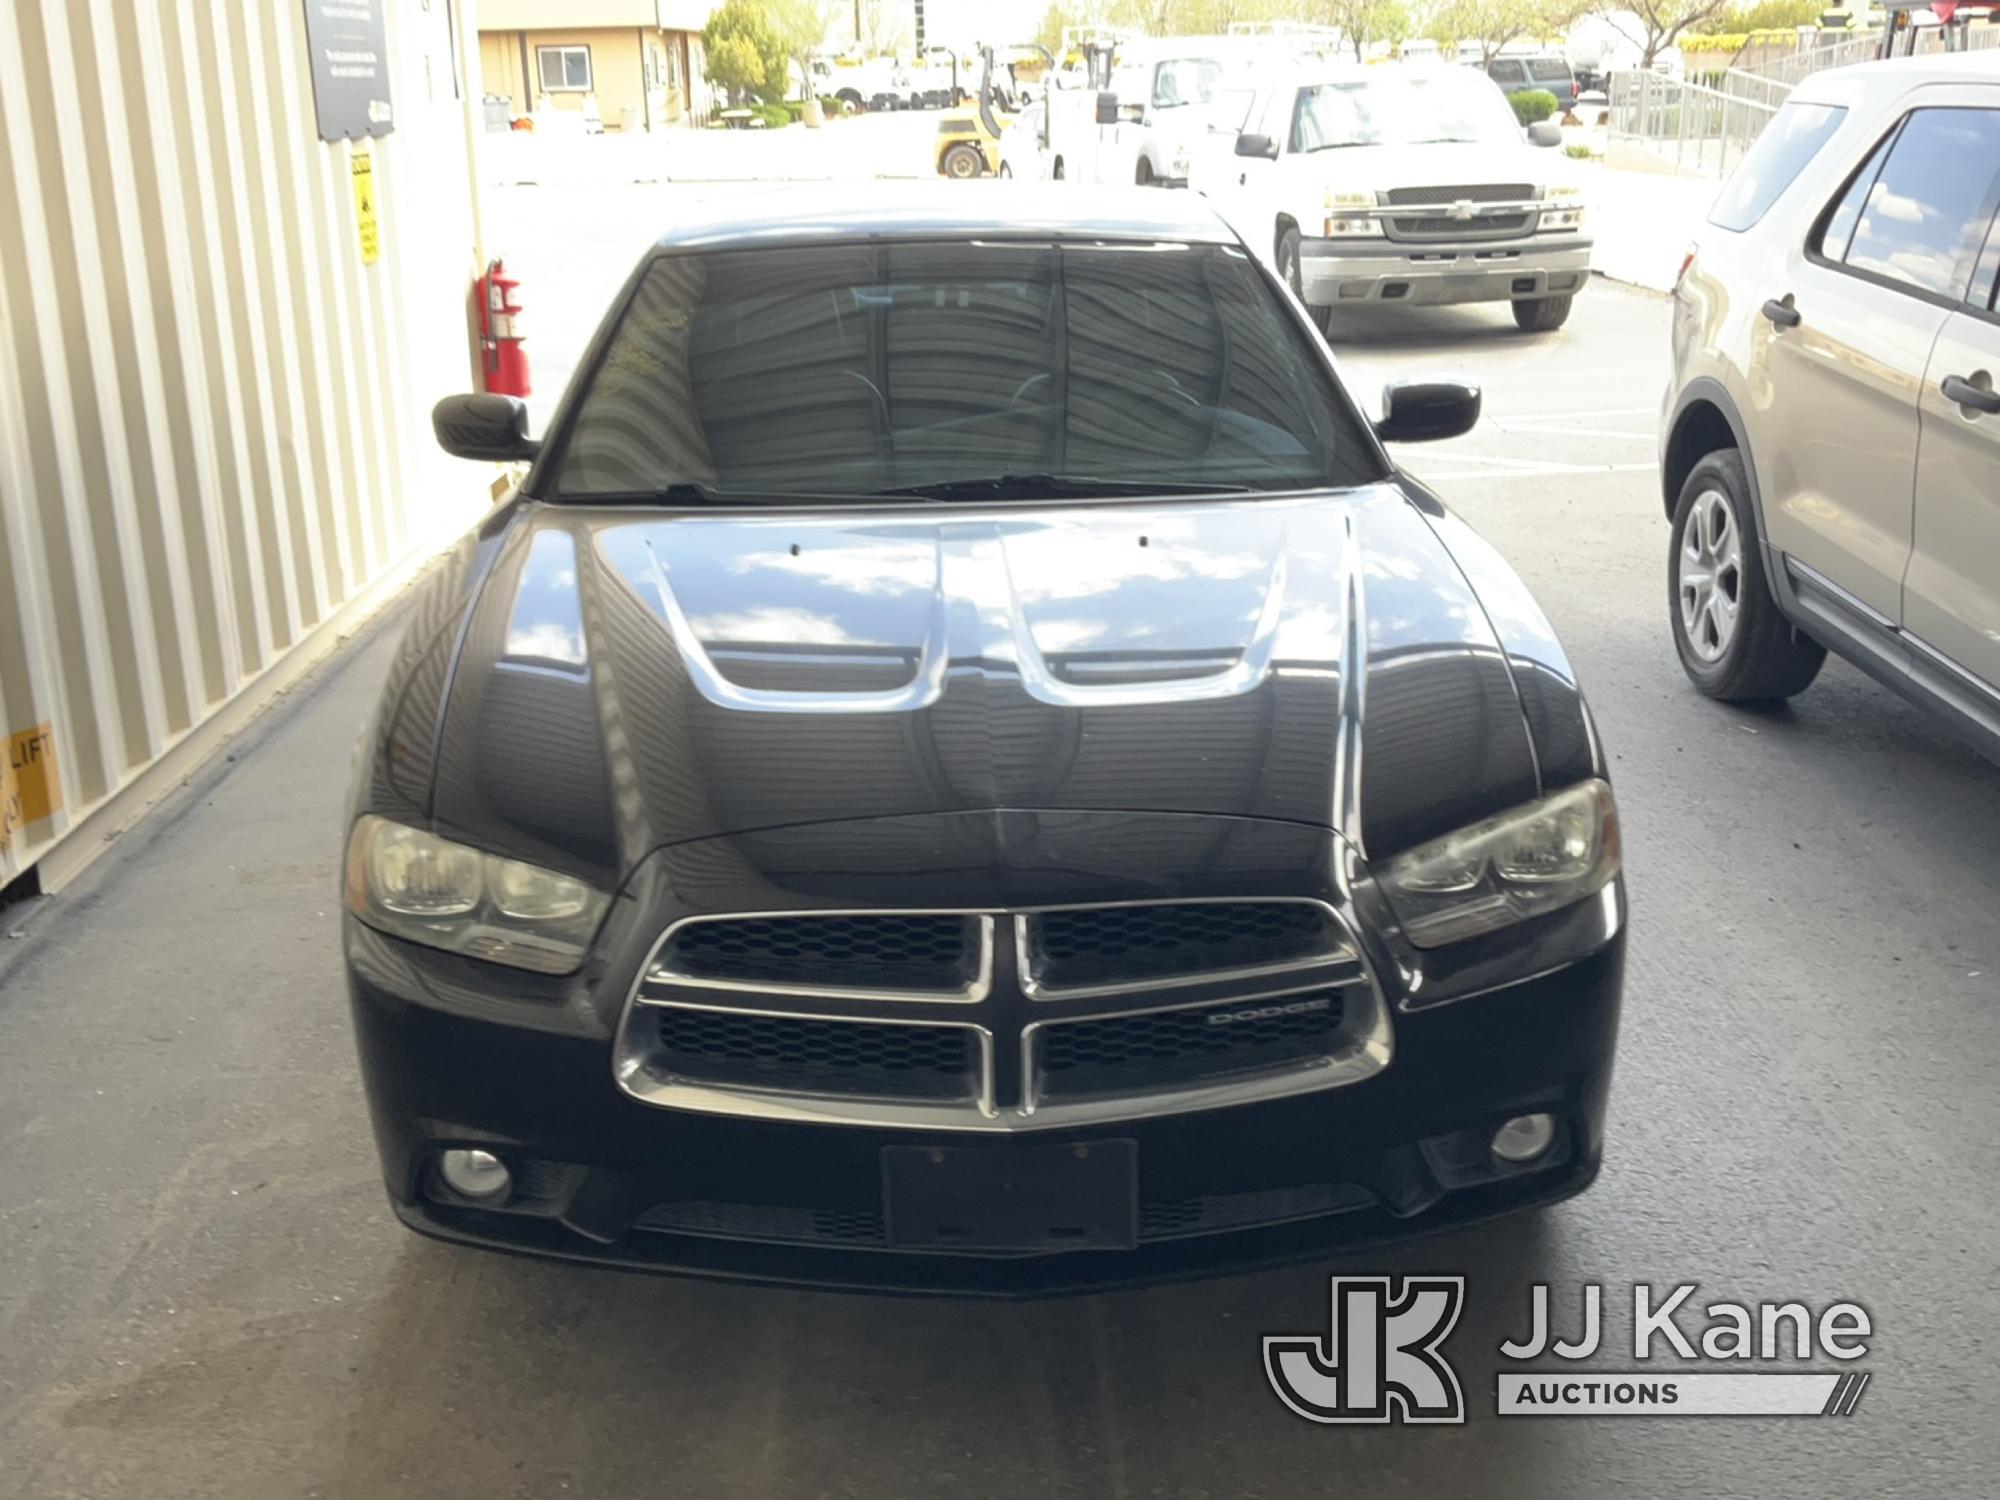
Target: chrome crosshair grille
x,y
1002,1020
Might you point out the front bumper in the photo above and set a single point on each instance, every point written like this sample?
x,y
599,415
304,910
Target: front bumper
x,y
1336,272
1383,1159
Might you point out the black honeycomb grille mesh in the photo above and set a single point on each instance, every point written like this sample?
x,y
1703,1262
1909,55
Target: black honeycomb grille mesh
x,y
767,1221
918,952
844,1058
1162,1219
1486,226
1478,192
1169,1049
1114,944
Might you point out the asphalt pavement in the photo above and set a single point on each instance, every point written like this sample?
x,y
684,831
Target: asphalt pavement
x,y
202,1292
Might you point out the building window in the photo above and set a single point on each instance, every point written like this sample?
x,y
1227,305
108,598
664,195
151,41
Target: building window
x,y
565,70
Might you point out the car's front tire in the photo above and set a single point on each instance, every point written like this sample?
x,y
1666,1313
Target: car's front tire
x,y
1734,642
1006,170
1542,314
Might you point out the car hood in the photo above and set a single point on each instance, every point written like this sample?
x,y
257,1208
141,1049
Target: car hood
x,y
1373,168
627,681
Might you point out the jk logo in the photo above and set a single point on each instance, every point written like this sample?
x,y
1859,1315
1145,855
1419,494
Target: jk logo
x,y
1382,1362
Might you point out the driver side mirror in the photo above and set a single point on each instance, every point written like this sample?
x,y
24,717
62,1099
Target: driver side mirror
x,y
1545,133
1107,108
484,427
1425,411
1257,145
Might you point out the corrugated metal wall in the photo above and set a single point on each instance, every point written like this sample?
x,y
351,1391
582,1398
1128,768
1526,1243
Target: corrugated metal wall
x,y
214,434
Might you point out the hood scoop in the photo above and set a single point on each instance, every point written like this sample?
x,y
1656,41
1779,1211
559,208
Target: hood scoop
x,y
1112,608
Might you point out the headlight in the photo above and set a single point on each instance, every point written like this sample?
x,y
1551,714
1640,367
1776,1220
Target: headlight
x,y
1565,207
1349,215
1519,864
418,886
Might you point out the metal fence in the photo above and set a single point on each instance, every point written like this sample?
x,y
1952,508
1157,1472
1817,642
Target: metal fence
x,y
1705,128
1689,126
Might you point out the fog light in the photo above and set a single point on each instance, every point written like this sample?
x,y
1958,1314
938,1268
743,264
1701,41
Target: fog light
x,y
481,1174
1522,1138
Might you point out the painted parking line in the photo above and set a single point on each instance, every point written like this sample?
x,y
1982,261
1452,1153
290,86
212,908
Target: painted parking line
x,y
1531,471
1545,415
1550,427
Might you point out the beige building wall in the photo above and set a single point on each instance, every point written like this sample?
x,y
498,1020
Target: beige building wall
x,y
215,448
641,69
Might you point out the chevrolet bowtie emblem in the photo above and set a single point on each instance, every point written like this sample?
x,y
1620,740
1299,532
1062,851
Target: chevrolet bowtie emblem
x,y
1465,208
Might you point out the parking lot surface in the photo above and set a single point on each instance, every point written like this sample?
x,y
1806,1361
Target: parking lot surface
x,y
202,1292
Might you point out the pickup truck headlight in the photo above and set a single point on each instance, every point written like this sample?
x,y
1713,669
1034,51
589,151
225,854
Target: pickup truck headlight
x,y
1564,208
1522,863
1351,215
412,884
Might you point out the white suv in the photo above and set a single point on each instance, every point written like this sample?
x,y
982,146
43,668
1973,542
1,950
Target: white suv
x,y
1831,438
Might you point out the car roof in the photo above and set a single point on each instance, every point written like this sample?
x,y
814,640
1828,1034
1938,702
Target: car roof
x,y
1864,81
941,210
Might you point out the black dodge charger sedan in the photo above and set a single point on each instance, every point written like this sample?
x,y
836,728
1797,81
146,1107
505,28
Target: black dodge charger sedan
x,y
965,768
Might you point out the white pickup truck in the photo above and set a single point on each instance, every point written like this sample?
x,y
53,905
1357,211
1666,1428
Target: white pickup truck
x,y
1170,96
1403,184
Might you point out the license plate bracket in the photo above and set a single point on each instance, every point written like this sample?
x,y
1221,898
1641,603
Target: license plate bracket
x,y
1019,1198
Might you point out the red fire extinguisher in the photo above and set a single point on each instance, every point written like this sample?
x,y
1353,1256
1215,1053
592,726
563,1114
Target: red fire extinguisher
x,y
500,338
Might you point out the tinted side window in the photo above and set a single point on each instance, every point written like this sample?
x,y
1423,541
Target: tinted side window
x,y
1549,70
1781,152
1838,230
1927,213
1509,75
1986,273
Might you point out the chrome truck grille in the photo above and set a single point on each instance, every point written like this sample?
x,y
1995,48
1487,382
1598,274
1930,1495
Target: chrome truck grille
x,y
1474,192
1001,1020
1473,211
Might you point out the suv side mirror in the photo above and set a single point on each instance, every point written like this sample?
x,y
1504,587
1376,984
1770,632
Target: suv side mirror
x,y
1424,411
1107,108
484,426
1257,145
1545,133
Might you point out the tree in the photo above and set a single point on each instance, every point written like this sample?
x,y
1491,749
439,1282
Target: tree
x,y
801,27
1655,25
1363,21
1764,15
1493,24
879,32
1057,19
743,50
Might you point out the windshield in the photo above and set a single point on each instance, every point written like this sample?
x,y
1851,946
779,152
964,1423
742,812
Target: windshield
x,y
1402,109
870,369
1185,80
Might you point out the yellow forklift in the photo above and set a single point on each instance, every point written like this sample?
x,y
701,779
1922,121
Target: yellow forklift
x,y
968,141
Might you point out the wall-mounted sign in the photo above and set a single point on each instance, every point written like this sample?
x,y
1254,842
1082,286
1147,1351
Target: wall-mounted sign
x,y
350,66
30,785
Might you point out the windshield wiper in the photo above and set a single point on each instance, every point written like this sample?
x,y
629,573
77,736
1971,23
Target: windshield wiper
x,y
689,492
1055,487
1340,146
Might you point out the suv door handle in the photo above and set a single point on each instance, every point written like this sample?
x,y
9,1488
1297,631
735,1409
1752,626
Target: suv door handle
x,y
1965,393
1783,313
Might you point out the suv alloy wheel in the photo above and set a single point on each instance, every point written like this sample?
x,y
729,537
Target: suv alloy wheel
x,y
1733,641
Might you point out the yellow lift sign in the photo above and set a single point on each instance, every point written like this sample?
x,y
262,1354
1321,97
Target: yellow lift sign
x,y
30,788
362,165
